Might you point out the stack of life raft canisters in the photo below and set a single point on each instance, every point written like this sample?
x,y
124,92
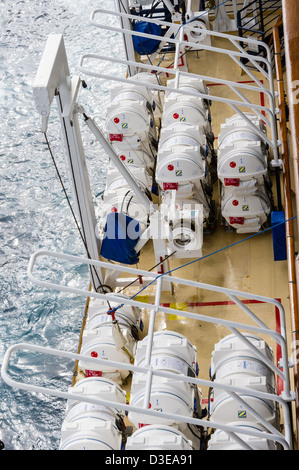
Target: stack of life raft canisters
x,y
242,167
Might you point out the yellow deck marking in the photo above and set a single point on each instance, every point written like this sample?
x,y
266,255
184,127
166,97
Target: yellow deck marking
x,y
178,306
142,298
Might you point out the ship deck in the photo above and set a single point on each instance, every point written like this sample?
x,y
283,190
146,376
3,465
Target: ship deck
x,y
239,261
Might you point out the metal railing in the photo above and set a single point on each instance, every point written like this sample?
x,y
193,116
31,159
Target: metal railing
x,y
259,327
89,63
256,19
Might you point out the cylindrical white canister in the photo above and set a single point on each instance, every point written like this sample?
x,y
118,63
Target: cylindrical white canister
x,y
167,395
158,437
220,440
95,388
170,351
91,433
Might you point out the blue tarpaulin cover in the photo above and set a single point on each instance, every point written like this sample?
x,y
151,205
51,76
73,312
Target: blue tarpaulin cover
x,y
146,45
120,238
279,236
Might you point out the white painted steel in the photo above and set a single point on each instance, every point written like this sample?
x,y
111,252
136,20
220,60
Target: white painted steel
x,y
180,43
285,441
280,338
146,369
53,80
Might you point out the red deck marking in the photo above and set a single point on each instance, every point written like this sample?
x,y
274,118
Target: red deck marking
x,y
263,103
222,84
262,94
181,64
213,304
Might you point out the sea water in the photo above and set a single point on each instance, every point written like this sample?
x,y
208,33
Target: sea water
x,y
34,213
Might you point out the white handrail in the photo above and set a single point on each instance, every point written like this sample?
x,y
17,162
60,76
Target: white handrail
x,y
280,338
231,37
282,400
231,102
275,436
180,43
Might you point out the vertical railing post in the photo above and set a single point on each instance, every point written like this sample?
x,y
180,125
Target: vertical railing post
x,y
123,6
262,16
150,338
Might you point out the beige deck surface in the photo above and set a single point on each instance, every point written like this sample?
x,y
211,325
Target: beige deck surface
x,y
248,266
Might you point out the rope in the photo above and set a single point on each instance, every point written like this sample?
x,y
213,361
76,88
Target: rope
x,y
204,257
72,211
151,269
